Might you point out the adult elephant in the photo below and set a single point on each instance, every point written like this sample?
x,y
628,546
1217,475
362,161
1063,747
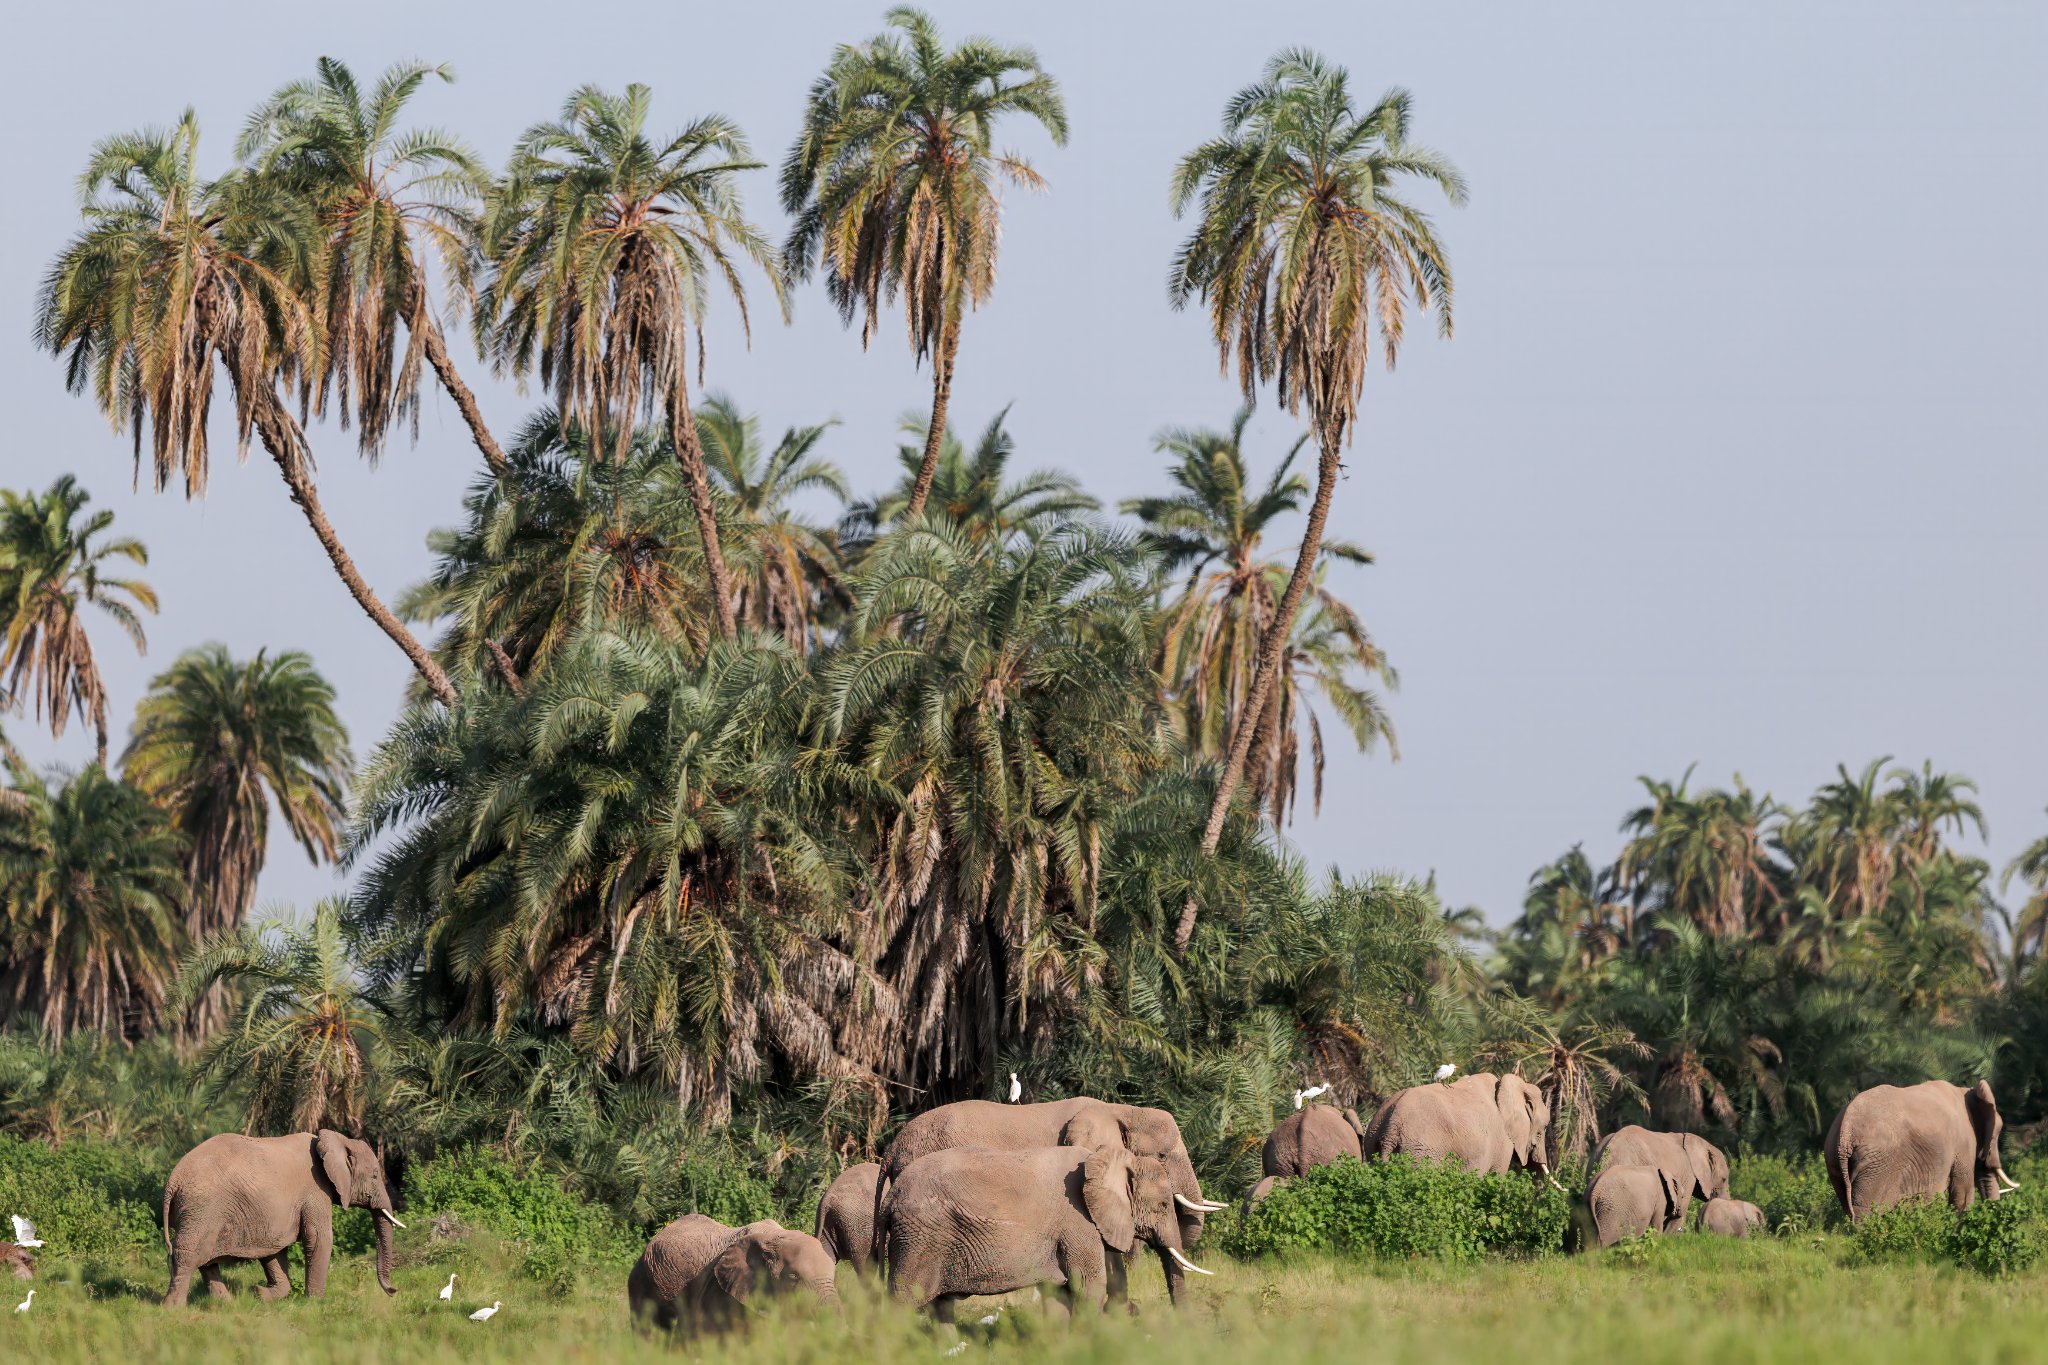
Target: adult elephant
x,y
1893,1143
970,1220
846,1216
1626,1201
1079,1122
1691,1160
700,1271
236,1198
1490,1123
1308,1138
1731,1218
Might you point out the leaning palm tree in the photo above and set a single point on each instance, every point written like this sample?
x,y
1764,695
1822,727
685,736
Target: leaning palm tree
x,y
791,566
1301,251
381,198
174,276
893,183
51,568
605,243
217,743
90,879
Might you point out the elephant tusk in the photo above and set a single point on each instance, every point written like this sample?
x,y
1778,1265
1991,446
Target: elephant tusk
x,y
1186,1264
1198,1205
2005,1179
392,1216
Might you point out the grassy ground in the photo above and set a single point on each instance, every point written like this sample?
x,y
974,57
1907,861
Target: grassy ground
x,y
1681,1299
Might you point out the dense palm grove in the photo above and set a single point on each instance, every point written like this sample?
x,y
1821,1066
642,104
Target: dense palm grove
x,y
733,805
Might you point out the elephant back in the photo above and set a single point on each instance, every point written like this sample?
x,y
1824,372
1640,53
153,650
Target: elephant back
x,y
846,1215
672,1258
1308,1138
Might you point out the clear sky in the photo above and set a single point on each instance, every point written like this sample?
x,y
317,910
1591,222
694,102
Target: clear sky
x,y
1736,459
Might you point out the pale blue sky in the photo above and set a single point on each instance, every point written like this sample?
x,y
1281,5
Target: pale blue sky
x,y
1737,457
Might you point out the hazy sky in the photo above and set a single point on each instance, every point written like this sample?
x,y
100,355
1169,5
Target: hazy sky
x,y
1736,459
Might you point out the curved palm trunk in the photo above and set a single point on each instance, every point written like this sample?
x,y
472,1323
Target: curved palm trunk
x,y
682,432
935,429
1271,648
436,346
281,438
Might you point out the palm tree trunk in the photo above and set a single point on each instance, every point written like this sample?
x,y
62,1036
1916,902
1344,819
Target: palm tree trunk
x,y
682,433
935,429
436,346
1271,648
281,438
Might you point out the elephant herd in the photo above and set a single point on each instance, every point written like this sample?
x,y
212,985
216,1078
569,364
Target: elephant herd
x,y
979,1198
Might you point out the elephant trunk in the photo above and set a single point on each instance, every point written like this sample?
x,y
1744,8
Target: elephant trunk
x,y
1987,1183
383,1254
1175,1276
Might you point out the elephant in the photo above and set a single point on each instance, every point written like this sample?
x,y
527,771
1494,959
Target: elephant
x,y
1731,1217
972,1220
1688,1158
846,1216
1626,1201
1310,1137
236,1198
699,1271
1490,1123
1893,1143
1078,1122
18,1259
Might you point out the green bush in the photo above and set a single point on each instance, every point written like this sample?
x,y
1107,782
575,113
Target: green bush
x,y
1793,1192
83,1197
1917,1230
1401,1210
2001,1236
525,1204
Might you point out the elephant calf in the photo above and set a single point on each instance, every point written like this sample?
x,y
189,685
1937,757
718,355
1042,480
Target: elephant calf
x,y
846,1216
1626,1201
1731,1217
19,1260
971,1220
699,1272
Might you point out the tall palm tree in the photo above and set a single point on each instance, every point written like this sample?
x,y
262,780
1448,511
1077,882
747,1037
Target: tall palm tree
x,y
1704,857
969,489
381,199
1302,250
1211,634
172,276
90,879
894,186
790,565
217,743
51,568
605,243
2029,928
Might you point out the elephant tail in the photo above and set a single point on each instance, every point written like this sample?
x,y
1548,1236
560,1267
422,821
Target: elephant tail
x,y
1837,1153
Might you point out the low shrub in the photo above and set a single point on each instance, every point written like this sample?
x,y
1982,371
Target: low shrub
x,y
1917,1230
524,1204
1793,1192
1401,1210
2001,1236
84,1197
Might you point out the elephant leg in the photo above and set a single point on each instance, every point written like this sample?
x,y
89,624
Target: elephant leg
x,y
318,1241
1058,1306
181,1281
277,1280
1117,1278
216,1284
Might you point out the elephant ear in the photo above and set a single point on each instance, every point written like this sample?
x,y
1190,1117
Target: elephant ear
x,y
1699,1158
1092,1128
331,1148
739,1267
1674,1194
1357,1124
1106,1190
1985,1122
1516,1114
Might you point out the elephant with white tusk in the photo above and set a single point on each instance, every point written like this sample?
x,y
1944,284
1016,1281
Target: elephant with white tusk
x,y
1731,1218
846,1216
1932,1140
699,1273
236,1198
970,1220
1492,1124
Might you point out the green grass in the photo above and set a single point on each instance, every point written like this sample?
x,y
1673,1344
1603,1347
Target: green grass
x,y
1691,1298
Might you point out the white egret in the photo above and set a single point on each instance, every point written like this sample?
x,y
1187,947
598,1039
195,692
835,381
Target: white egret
x,y
1016,1088
448,1289
485,1314
22,1307
988,1321
24,1232
1446,1071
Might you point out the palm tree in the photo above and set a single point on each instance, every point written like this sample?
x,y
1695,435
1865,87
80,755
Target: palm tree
x,y
172,276
1578,1064
605,243
379,197
893,183
791,565
301,1037
1704,857
50,569
969,491
90,879
1210,636
2029,929
1301,250
217,743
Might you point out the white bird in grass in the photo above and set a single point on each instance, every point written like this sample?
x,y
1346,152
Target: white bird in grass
x,y
24,1232
988,1321
22,1307
484,1314
1446,1071
1016,1088
448,1289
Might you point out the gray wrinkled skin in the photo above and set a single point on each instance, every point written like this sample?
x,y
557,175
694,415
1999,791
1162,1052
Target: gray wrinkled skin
x,y
1492,1124
1731,1218
846,1216
699,1274
1928,1141
1687,1158
1627,1201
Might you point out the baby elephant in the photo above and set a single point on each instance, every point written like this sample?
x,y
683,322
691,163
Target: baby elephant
x,y
846,1216
973,1220
1626,1201
700,1273
1731,1217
